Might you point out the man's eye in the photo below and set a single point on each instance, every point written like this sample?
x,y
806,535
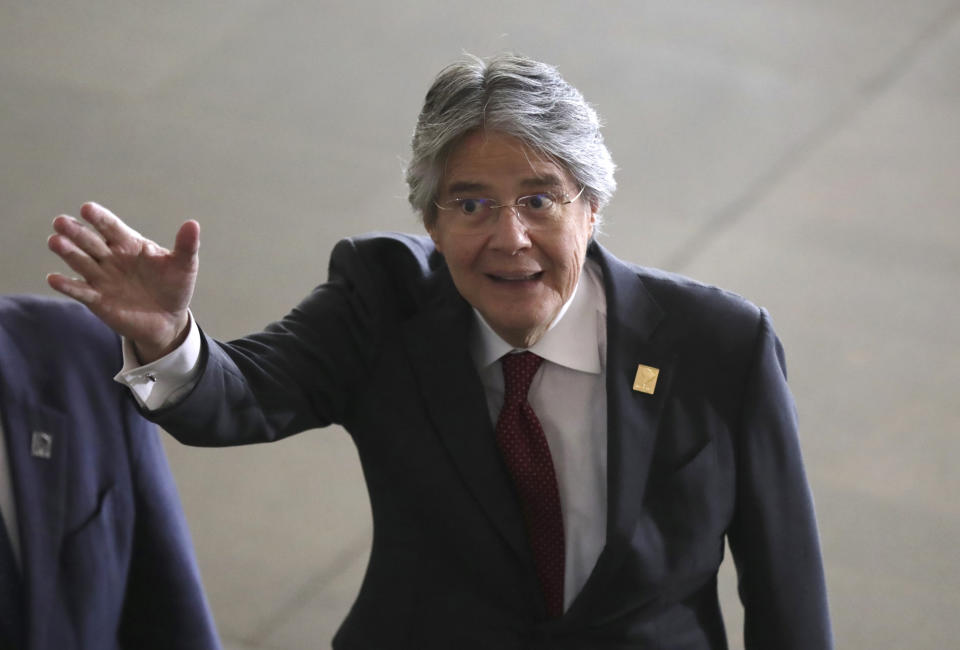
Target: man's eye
x,y
471,206
537,201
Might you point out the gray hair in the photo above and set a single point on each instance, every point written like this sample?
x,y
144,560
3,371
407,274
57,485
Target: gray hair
x,y
517,96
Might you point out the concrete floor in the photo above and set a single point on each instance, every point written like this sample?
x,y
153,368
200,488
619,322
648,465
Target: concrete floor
x,y
804,154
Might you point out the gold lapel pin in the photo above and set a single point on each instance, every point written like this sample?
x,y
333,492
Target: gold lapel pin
x,y
646,379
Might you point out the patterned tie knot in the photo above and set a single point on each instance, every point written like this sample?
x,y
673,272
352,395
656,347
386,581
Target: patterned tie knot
x,y
518,372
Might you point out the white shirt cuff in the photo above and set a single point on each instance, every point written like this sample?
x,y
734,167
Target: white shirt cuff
x,y
162,382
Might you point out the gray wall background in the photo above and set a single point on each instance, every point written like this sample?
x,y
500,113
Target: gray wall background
x,y
805,154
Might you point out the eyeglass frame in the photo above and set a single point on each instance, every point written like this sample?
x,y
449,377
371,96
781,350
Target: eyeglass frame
x,y
517,205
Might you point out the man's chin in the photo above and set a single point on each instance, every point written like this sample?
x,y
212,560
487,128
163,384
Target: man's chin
x,y
520,333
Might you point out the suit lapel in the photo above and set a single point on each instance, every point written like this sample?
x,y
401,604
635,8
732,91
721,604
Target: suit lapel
x,y
632,416
438,344
38,478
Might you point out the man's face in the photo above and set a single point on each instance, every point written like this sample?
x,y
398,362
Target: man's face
x,y
517,275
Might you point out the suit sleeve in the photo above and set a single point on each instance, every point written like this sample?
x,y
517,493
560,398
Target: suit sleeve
x,y
298,374
774,536
164,606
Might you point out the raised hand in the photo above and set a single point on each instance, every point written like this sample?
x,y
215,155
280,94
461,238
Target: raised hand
x,y
138,288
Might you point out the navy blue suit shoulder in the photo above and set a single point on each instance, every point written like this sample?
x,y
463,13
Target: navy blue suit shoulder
x,y
407,269
107,556
701,311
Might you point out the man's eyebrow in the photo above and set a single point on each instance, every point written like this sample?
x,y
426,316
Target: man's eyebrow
x,y
551,180
540,181
467,186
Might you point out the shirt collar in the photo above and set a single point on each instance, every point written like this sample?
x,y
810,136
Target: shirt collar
x,y
572,340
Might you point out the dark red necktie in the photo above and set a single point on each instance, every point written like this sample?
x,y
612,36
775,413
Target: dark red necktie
x,y
524,449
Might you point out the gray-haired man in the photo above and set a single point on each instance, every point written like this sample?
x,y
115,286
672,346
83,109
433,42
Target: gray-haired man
x,y
556,443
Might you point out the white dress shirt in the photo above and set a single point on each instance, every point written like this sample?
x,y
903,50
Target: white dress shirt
x,y
568,394
163,381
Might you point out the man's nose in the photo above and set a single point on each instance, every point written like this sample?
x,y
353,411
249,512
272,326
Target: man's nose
x,y
509,231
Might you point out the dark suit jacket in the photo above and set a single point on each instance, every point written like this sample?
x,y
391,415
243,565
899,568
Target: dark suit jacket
x,y
106,556
381,348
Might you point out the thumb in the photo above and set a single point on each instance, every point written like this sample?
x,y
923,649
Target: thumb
x,y
187,242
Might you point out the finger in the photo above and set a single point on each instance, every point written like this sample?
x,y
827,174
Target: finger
x,y
75,257
89,241
73,288
187,243
109,225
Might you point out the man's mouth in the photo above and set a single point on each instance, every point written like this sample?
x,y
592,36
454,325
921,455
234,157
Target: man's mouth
x,y
514,277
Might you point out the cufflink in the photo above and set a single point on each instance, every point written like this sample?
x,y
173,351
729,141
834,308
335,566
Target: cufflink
x,y
646,379
41,444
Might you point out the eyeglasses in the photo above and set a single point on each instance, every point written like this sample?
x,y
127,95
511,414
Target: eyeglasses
x,y
540,211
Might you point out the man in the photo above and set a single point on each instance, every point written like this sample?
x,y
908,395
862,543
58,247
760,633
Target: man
x,y
555,443
94,548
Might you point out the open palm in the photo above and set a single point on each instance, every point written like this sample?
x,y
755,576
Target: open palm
x,y
138,288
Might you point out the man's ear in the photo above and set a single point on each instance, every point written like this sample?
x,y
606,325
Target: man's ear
x,y
434,235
